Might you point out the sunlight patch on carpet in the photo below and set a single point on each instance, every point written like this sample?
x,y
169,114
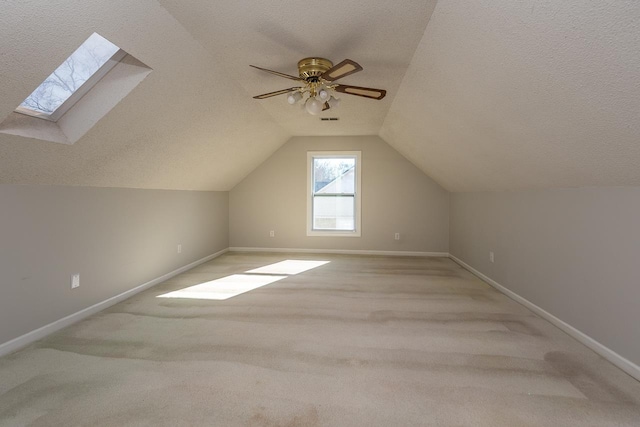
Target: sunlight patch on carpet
x,y
289,267
225,288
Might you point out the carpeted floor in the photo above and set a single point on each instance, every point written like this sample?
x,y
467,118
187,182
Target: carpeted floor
x,y
359,341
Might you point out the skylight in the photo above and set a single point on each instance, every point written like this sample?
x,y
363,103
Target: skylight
x,y
72,79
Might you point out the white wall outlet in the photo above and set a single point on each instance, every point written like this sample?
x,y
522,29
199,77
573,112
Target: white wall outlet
x,y
272,233
491,256
75,281
179,249
397,237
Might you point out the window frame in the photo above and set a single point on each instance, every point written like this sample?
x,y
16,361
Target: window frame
x,y
311,155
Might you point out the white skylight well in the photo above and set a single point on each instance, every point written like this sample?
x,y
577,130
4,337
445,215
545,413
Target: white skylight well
x,y
72,79
78,94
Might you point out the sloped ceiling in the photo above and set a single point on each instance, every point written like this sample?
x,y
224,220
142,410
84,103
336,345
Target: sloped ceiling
x,y
482,95
523,94
380,35
186,126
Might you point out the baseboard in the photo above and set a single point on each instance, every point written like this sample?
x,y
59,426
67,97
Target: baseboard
x,y
26,339
626,365
29,337
341,251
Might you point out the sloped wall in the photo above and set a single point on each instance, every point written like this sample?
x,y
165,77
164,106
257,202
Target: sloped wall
x,y
116,239
396,198
572,252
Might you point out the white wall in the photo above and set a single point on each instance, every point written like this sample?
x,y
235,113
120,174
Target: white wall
x,y
396,197
116,239
573,252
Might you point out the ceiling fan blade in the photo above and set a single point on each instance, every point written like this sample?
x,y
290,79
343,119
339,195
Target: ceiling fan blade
x,y
343,69
276,93
366,92
286,76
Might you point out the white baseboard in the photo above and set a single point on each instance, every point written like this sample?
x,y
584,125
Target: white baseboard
x,y
341,251
26,339
626,365
29,337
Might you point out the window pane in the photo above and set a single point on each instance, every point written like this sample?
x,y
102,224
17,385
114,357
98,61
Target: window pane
x,y
335,176
334,213
69,76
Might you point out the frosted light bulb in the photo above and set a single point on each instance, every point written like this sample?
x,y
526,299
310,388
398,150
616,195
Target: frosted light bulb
x,y
294,97
314,106
323,94
333,102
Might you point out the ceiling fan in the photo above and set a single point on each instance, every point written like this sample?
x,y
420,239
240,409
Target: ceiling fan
x,y
318,76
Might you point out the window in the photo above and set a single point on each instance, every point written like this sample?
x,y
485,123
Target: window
x,y
333,203
72,79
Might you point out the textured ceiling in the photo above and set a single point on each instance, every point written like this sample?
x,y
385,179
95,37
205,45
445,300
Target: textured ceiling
x,y
381,36
188,125
482,95
523,94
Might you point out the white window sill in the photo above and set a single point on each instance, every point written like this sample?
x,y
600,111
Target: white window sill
x,y
329,233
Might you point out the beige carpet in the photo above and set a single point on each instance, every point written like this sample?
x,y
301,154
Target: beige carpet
x,y
360,341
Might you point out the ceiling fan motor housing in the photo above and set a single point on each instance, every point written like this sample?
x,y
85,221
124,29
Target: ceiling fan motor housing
x,y
311,69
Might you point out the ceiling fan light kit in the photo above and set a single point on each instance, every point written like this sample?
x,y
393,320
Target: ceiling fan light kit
x,y
318,76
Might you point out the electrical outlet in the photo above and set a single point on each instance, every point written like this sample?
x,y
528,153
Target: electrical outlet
x,y
397,237
179,249
75,281
491,258
272,233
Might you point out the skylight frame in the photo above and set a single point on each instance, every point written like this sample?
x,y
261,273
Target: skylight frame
x,y
118,56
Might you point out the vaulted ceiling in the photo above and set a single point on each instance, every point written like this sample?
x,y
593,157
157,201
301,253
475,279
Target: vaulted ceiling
x,y
483,95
